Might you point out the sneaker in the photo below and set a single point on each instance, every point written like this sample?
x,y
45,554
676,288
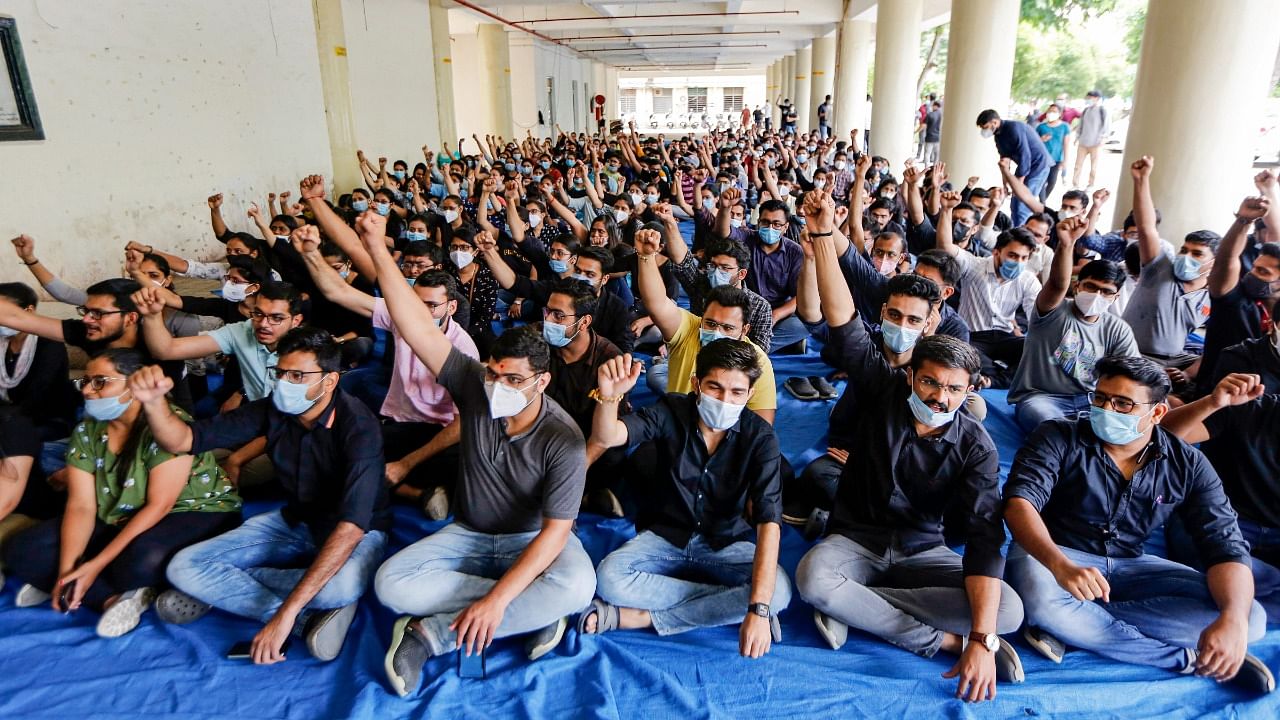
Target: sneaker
x,y
326,631
546,639
178,608
800,388
1044,643
816,524
436,505
409,651
1008,664
826,390
1254,677
833,631
125,613
31,596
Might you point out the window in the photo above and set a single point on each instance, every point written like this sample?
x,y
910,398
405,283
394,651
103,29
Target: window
x,y
733,99
627,102
661,101
697,99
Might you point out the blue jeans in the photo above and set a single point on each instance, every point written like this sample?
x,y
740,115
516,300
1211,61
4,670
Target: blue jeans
x,y
1157,611
1019,211
685,588
787,332
251,570
908,600
656,377
1035,409
439,576
1265,542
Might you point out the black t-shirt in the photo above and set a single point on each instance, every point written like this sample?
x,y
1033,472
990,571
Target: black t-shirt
x,y
933,126
75,335
1235,318
44,398
1243,453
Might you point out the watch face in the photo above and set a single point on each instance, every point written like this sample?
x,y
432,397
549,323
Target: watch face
x,y
992,641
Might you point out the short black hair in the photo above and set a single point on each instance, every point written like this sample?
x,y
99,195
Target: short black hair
x,y
987,116
314,340
902,242
978,192
1204,237
330,249
773,206
727,296
729,354
438,278
568,242
1019,235
1040,218
913,285
1080,195
249,241
949,352
947,266
1104,271
21,294
160,262
880,204
1138,369
273,290
599,254
120,290
1130,222
127,361
967,206
523,342
728,248
426,249
1269,250
288,220
579,292
255,270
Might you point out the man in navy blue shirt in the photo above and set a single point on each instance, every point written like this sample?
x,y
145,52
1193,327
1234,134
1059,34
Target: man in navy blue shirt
x,y
1020,143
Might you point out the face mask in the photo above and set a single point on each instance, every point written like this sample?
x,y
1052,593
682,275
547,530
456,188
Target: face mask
x,y
282,238
636,197
517,156
538,178
398,174
1068,214
735,223
897,338
709,336
450,215
717,277
988,133
360,205
886,266
234,292
614,168
6,332
570,162
556,335
291,398
813,148
651,199
1092,304
725,186
1256,288
344,273
1051,117
717,414
411,281
770,236
545,164
559,266
382,208
105,409
461,258
709,204
1010,270
535,219
583,278
840,164
926,415
888,194
769,162
510,167
819,184
1186,268
504,400
960,231
802,158
526,170
1115,428
784,190
621,215
412,236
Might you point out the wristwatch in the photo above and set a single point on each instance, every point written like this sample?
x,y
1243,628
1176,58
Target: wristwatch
x,y
761,609
990,641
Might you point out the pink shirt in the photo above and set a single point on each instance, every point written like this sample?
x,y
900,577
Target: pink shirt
x,y
414,395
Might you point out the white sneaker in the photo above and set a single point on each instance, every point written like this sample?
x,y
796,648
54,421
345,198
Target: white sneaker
x,y
31,596
125,613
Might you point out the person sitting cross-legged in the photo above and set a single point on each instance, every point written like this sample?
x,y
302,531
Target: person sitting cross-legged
x,y
692,565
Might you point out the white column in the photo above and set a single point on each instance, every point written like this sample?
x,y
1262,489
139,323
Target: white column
x,y
979,73
852,66
1202,80
612,93
598,87
897,64
335,85
525,90
440,48
804,67
823,76
770,81
789,78
496,64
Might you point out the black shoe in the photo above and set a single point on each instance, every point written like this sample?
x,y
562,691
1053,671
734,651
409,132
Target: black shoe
x,y
1254,677
409,651
545,640
826,390
800,388
796,348
816,525
1044,643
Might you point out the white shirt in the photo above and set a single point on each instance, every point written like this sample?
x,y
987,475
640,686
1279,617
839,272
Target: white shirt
x,y
988,301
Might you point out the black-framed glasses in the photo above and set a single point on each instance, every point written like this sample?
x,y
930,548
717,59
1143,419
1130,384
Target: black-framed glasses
x,y
1090,286
774,224
933,384
712,325
511,379
433,306
297,377
1119,403
423,265
94,313
556,316
262,317
97,382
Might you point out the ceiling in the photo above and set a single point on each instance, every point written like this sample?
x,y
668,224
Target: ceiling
x,y
677,35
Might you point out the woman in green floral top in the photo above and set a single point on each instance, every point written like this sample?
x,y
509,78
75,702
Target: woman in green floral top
x,y
130,507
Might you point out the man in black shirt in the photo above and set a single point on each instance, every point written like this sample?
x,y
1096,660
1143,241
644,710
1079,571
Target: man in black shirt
x,y
884,567
327,452
1082,498
722,465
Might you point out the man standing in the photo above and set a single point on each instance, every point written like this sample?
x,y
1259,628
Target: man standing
x,y
824,118
1019,142
932,132
1092,132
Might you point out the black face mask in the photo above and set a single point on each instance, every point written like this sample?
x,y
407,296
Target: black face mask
x,y
960,231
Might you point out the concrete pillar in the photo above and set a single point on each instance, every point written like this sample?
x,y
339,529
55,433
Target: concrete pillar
x,y
852,66
335,85
770,80
440,48
598,88
496,67
788,80
823,76
1196,55
803,96
979,73
612,93
897,64
525,90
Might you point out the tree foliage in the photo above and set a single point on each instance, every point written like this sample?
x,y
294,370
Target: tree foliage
x,y
1051,14
1067,60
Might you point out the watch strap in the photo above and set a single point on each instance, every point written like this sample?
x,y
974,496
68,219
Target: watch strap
x,y
761,609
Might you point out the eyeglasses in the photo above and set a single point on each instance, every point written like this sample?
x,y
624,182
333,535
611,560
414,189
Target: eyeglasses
x,y
97,382
1119,403
261,317
932,384
722,268
773,224
557,316
297,377
560,254
1090,286
712,325
508,378
95,314
423,265
433,306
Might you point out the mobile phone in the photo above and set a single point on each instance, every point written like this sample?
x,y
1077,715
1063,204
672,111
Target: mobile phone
x,y
471,666
64,597
244,650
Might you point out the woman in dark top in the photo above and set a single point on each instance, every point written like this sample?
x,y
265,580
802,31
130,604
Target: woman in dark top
x,y
475,283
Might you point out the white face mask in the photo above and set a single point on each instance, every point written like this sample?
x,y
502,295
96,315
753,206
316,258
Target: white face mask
x,y
7,332
1092,304
717,414
840,164
819,184
234,292
450,215
1067,214
504,400
988,132
621,215
1052,117
535,220
461,258
784,190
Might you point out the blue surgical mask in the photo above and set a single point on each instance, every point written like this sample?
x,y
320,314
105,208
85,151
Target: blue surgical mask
x,y
537,178
708,336
927,415
651,199
360,205
717,277
398,174
770,236
382,208
545,164
412,236
106,409
291,398
583,278
735,223
511,167
717,414
1186,268
1113,427
709,204
526,170
558,266
1010,270
557,335
897,338
570,162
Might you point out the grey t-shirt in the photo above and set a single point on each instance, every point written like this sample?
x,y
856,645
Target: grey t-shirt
x,y
1161,313
509,484
1061,350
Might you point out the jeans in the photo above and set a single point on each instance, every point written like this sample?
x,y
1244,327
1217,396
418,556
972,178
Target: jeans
x,y
439,576
656,377
685,588
1158,608
251,570
1265,545
1019,210
915,600
1034,409
1002,346
788,331
1051,182
824,130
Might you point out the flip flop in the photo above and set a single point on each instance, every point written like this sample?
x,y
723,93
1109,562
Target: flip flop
x,y
606,617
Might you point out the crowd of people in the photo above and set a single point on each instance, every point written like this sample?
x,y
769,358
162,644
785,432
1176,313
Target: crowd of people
x,y
463,335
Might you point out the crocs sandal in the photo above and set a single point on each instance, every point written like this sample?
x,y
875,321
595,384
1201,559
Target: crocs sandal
x,y
606,617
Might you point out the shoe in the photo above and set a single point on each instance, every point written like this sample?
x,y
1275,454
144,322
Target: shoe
x,y
833,631
436,505
1044,643
409,651
546,639
125,613
602,501
326,631
30,596
1254,677
816,525
826,390
178,608
775,628
799,347
800,388
1008,664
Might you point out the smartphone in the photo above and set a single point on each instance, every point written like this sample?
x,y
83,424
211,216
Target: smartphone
x,y
471,666
64,597
244,650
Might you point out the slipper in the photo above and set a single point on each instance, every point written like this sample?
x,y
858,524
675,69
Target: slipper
x,y
606,617
801,388
826,390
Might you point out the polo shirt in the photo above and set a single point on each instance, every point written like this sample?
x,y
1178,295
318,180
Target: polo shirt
x,y
1161,312
682,358
238,339
414,395
775,275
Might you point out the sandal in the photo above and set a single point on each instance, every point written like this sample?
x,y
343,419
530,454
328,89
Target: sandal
x,y
606,617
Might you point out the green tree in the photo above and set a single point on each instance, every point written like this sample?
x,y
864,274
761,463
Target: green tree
x,y
1050,14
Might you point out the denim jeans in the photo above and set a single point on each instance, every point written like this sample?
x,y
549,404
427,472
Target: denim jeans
x,y
685,588
1018,209
251,570
437,577
1265,544
1158,608
907,600
656,376
1035,409
787,331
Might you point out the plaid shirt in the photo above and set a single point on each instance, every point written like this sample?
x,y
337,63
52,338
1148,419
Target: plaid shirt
x,y
693,278
841,181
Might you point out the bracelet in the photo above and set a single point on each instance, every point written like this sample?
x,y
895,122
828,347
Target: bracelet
x,y
829,233
29,264
595,395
